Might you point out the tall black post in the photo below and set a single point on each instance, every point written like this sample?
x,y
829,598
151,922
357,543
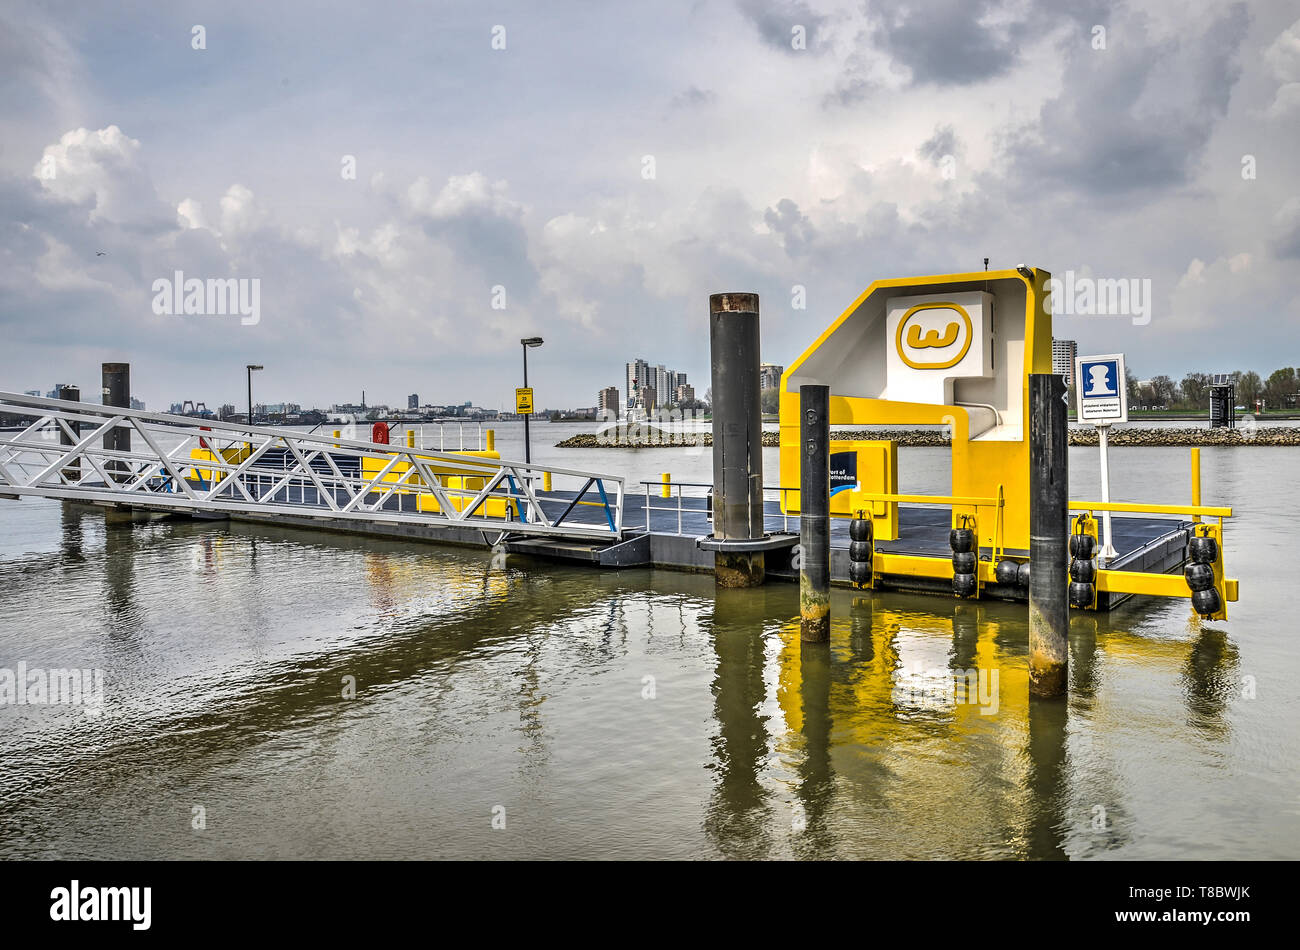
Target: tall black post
x,y
737,436
814,514
528,452
1049,483
117,393
68,439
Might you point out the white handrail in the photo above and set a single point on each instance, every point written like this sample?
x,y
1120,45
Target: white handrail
x,y
260,469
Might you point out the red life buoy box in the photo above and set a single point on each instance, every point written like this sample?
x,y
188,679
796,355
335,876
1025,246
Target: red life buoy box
x,y
379,433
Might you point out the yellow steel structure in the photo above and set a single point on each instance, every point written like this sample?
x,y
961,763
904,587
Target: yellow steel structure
x,y
990,447
234,454
1196,480
877,461
1087,524
1023,345
460,486
1169,585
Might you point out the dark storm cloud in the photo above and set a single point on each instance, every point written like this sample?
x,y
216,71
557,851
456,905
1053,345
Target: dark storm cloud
x,y
26,212
35,69
1136,116
50,308
796,231
949,42
693,97
943,142
852,87
956,42
775,21
495,247
1287,243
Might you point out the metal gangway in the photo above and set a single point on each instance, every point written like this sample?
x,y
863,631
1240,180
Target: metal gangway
x,y
159,462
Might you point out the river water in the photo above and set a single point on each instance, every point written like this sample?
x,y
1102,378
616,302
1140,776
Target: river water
x,y
540,710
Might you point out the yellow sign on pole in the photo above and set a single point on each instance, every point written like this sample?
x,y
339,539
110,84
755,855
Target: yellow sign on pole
x,y
524,401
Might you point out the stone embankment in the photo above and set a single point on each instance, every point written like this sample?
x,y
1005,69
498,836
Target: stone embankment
x,y
1244,435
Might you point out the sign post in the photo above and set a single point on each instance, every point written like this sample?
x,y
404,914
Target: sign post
x,y
524,407
1101,392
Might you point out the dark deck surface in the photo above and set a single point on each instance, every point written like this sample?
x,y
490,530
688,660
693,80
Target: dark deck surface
x,y
922,529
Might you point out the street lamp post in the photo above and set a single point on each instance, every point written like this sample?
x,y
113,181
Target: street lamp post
x,y
527,342
250,367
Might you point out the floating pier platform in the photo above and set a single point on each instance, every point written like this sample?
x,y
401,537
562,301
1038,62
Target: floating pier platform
x,y
663,534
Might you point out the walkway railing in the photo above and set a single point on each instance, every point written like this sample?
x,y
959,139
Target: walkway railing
x,y
79,451
671,496
675,497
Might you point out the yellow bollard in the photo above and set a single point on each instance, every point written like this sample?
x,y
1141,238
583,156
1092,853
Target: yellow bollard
x,y
491,440
1196,481
546,481
667,491
410,438
336,435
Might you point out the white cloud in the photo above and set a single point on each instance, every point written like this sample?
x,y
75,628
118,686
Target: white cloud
x,y
102,169
240,211
190,214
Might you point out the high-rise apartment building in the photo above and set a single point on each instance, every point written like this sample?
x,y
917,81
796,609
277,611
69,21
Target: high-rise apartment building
x,y
660,382
1064,353
638,376
663,386
769,375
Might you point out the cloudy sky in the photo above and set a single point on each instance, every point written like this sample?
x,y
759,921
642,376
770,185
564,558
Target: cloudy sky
x,y
597,178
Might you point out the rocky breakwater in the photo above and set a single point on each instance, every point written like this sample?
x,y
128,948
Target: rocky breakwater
x,y
1122,436
1243,435
654,440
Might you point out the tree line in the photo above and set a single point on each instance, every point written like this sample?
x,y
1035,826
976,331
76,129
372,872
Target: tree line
x,y
1193,390
1191,393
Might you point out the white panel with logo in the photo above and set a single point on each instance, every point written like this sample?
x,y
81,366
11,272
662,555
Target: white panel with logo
x,y
934,340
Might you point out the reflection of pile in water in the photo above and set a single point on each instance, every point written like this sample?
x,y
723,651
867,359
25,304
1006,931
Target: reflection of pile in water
x,y
638,436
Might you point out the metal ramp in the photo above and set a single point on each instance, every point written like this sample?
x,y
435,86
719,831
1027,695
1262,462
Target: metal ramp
x,y
154,461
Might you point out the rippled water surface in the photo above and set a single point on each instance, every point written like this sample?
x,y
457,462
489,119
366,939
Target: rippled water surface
x,y
635,713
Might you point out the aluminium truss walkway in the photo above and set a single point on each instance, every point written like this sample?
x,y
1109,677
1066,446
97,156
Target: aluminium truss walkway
x,y
154,461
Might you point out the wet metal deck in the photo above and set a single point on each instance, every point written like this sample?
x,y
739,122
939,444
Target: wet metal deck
x,y
668,538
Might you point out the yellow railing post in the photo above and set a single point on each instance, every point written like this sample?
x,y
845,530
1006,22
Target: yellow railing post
x,y
1207,511
1000,540
1196,481
492,440
410,438
546,480
666,491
